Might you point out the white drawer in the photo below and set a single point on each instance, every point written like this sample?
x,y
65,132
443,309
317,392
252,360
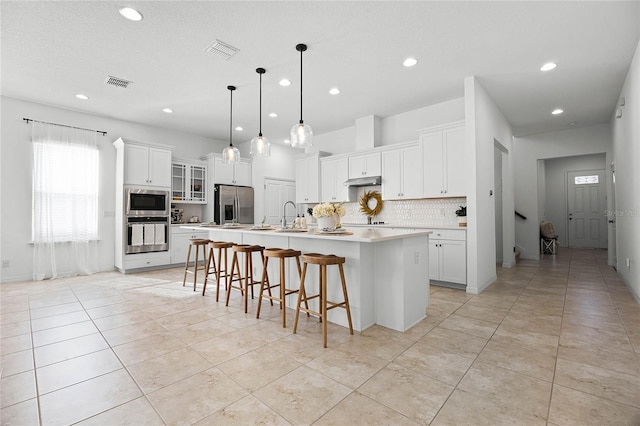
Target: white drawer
x,y
144,260
448,234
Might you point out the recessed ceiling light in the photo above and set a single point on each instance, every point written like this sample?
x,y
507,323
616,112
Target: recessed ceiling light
x,y
284,82
334,91
81,96
409,62
273,115
573,123
548,66
239,128
131,14
287,141
167,110
557,111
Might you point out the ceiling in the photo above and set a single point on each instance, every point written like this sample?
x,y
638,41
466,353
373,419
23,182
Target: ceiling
x,y
52,50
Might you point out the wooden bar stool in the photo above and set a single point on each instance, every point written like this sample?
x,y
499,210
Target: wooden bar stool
x,y
236,275
283,255
323,261
219,267
197,242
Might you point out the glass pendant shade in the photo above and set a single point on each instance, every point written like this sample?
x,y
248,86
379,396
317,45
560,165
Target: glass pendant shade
x,y
260,147
301,136
231,154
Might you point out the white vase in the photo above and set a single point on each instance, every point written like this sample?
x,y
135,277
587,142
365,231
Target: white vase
x,y
327,223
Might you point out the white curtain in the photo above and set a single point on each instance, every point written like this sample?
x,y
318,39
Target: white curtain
x,y
65,201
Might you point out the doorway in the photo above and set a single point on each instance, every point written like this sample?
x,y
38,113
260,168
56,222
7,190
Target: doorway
x,y
586,205
276,193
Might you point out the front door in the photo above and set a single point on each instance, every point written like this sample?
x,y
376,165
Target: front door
x,y
586,209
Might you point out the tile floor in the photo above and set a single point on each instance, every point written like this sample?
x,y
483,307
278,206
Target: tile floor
x,y
554,342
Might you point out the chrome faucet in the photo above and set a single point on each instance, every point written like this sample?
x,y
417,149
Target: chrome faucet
x,y
283,222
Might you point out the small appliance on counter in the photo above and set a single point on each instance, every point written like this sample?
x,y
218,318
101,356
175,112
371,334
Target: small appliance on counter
x,y
176,215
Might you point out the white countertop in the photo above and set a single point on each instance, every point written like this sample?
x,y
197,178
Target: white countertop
x,y
390,225
355,234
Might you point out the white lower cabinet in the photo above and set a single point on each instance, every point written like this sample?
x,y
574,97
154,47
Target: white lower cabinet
x,y
180,244
448,256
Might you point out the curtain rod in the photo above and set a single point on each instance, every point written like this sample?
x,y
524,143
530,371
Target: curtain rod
x,y
63,125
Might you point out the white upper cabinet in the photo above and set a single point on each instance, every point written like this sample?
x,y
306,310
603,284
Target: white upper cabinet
x,y
146,165
444,162
308,179
334,173
188,183
231,174
402,173
364,165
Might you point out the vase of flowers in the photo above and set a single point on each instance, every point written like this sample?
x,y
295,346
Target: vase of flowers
x,y
328,215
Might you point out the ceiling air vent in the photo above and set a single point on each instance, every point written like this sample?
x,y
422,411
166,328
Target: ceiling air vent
x,y
118,82
222,49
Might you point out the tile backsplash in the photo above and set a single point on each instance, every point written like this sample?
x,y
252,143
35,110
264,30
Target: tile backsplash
x,y
433,211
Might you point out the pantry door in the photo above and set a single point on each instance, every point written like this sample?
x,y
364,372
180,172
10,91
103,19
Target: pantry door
x,y
276,193
587,202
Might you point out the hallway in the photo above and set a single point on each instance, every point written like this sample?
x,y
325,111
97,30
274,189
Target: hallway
x,y
552,342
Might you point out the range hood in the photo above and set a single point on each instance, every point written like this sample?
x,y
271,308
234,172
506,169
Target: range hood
x,y
364,181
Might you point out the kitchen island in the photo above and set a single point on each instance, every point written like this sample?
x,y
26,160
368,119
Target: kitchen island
x,y
387,270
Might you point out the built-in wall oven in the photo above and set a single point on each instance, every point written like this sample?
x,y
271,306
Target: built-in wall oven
x,y
147,220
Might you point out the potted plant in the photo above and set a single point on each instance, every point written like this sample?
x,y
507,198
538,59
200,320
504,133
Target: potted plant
x,y
461,213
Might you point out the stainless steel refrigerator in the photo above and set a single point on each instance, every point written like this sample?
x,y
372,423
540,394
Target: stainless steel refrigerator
x,y
233,204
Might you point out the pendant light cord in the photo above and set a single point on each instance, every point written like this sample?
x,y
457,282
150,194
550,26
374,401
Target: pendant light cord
x,y
260,131
301,50
231,119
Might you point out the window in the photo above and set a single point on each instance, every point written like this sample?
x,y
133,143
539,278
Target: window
x,y
65,191
585,180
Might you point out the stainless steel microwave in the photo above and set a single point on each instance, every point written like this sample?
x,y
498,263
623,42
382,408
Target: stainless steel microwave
x,y
147,202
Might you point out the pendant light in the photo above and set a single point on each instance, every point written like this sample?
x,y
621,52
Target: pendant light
x,y
260,146
301,134
231,154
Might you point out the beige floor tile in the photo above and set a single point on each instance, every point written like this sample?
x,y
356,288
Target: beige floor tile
x,y
248,410
383,344
137,412
302,348
508,389
204,393
258,368
88,398
15,329
16,362
495,315
202,331
572,407
586,353
129,333
56,352
75,370
472,326
17,388
598,381
521,357
464,408
59,320
12,317
303,395
355,408
394,383
455,341
24,413
49,300
147,348
601,337
120,320
348,368
116,308
65,332
156,373
183,319
17,343
435,362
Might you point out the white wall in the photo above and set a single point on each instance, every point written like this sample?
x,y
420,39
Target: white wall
x,y
626,149
485,125
15,173
556,188
528,150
